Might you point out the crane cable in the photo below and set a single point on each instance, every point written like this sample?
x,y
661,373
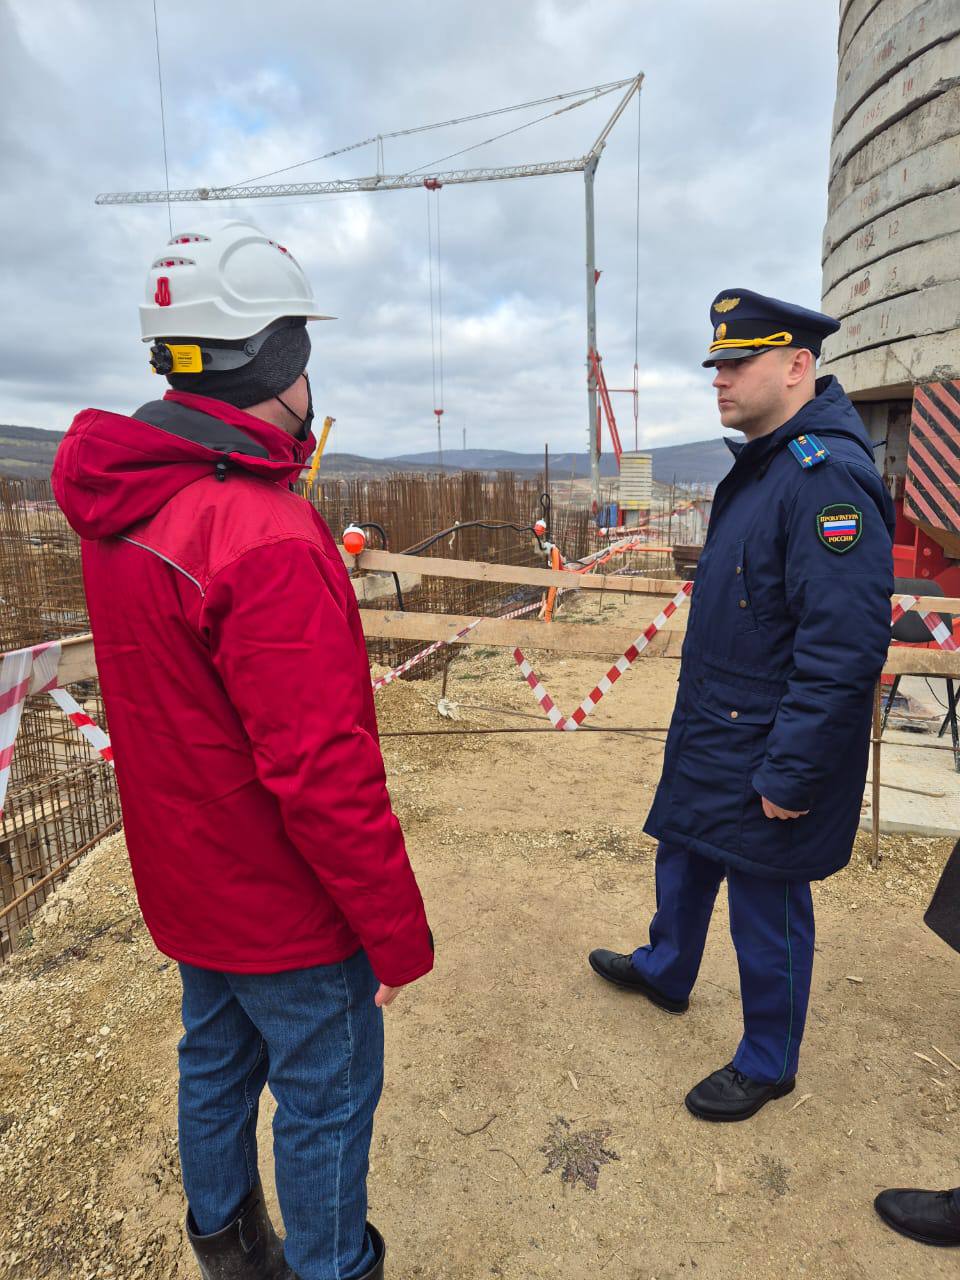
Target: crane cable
x,y
636,304
436,312
593,92
431,164
163,120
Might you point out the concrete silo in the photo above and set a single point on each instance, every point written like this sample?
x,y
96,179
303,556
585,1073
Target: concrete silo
x,y
891,264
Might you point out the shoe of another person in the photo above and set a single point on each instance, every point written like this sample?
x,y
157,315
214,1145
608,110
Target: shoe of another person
x,y
932,1217
619,970
248,1248
730,1095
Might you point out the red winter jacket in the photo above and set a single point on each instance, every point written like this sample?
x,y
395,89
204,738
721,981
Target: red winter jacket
x,y
235,678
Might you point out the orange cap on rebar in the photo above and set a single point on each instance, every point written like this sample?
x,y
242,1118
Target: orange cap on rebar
x,y
354,540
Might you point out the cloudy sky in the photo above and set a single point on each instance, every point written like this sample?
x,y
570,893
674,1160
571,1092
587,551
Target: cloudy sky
x,y
734,129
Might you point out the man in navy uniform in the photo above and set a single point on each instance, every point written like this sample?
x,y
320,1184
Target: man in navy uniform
x,y
766,756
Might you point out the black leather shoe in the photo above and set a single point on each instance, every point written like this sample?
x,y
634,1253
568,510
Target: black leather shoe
x,y
730,1095
931,1217
247,1249
621,972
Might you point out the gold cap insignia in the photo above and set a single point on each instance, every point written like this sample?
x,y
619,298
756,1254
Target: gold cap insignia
x,y
726,304
721,332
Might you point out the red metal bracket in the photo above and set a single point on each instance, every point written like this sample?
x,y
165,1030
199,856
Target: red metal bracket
x,y
596,372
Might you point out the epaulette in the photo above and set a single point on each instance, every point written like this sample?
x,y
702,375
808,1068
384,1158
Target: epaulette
x,y
809,451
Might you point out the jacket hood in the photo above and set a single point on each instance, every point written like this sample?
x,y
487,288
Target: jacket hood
x,y
112,471
829,413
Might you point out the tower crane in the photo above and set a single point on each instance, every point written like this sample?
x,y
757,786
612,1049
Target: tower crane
x,y
585,164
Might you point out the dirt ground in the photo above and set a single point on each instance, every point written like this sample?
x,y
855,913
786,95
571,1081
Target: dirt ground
x,y
512,1063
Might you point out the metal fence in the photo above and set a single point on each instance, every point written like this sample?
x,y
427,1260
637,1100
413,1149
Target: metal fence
x,y
47,825
412,507
41,585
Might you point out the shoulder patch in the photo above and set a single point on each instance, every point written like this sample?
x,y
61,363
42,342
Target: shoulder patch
x,y
839,526
809,451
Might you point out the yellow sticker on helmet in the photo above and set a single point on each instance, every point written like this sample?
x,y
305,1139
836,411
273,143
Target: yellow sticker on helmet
x,y
186,359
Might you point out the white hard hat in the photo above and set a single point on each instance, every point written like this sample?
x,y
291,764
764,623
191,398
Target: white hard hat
x,y
227,282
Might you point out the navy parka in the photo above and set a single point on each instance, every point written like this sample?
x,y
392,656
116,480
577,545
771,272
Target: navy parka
x,y
787,634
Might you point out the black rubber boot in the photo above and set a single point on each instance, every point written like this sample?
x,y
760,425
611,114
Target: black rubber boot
x,y
380,1249
247,1249
375,1272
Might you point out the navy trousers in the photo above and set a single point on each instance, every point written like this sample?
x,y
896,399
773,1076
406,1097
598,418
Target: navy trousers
x,y
771,922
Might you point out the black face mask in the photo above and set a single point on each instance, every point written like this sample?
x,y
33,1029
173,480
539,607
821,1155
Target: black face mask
x,y
306,422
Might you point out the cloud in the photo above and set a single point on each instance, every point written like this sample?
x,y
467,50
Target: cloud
x,y
734,136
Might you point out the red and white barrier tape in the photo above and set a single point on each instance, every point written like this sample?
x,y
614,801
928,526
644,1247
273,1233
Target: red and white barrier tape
x,y
621,530
26,671
22,672
597,558
934,623
80,720
382,681
573,722
34,670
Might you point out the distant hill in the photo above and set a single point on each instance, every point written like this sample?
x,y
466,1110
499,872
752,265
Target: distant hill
x,y
351,465
29,451
702,462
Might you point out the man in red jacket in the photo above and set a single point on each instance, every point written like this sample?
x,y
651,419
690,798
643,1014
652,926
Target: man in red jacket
x,y
266,857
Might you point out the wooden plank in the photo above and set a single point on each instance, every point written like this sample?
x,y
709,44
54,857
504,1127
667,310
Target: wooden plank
x,y
926,172
932,122
931,73
938,604
76,660
904,661
928,218
582,639
78,663
478,571
896,275
885,45
574,638
918,314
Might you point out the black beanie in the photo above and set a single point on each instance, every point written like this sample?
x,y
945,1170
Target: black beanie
x,y
273,370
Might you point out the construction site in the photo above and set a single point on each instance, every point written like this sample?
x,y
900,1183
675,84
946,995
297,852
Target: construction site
x,y
532,1122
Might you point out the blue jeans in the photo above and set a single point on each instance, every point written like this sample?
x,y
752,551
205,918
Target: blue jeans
x,y
316,1037
771,923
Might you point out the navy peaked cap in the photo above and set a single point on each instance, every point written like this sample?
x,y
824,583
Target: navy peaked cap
x,y
745,323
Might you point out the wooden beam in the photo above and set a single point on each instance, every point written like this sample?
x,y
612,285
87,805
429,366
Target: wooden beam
x,y
584,638
77,661
902,660
557,637
480,571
